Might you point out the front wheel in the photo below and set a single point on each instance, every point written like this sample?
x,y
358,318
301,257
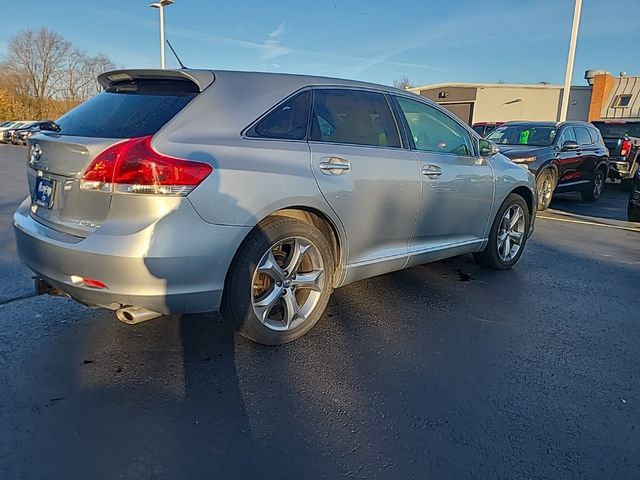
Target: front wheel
x,y
280,281
508,235
545,185
596,187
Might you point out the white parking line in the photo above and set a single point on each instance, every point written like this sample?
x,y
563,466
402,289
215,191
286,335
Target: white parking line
x,y
584,222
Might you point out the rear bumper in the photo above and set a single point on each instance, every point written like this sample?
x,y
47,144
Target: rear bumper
x,y
620,169
177,264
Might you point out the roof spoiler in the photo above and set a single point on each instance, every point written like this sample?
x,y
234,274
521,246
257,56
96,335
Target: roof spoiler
x,y
201,78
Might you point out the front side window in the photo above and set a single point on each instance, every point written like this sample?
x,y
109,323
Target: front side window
x,y
567,135
433,130
353,117
582,134
522,134
288,121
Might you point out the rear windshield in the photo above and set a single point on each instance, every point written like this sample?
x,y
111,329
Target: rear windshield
x,y
618,130
533,135
125,111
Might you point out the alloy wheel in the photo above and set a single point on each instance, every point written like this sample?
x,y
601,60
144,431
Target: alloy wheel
x,y
287,283
598,184
511,233
545,191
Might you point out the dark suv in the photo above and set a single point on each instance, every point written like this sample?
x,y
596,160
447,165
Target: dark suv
x,y
568,156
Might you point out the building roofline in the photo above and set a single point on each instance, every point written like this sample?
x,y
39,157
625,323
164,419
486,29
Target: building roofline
x,y
493,85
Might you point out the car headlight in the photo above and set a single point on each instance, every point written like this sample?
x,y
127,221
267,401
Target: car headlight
x,y
524,160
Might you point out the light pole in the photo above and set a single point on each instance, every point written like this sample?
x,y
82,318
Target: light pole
x,y
572,55
160,6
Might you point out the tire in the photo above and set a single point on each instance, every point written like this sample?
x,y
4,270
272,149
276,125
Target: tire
x,y
596,187
267,303
633,212
545,185
494,255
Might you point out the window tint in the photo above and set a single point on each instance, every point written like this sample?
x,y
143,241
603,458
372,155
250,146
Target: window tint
x,y
348,116
122,115
618,129
433,130
583,136
566,135
287,121
595,137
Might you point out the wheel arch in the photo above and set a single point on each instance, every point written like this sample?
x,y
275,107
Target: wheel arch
x,y
527,195
323,222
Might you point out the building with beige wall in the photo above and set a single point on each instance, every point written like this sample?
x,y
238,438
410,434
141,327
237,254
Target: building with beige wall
x,y
502,102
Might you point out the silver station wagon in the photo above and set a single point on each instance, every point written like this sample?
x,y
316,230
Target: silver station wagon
x,y
186,191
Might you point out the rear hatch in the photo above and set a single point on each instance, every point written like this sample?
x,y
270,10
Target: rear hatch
x,y
133,104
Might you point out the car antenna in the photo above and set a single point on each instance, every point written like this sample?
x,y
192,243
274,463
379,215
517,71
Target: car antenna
x,y
176,55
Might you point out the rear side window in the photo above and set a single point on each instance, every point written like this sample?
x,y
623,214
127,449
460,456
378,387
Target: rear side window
x,y
288,121
582,134
125,111
595,137
353,117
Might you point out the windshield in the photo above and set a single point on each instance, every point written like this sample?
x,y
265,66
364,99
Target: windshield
x,y
532,135
618,130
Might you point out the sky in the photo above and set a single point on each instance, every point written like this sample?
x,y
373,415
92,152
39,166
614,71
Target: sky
x,y
429,41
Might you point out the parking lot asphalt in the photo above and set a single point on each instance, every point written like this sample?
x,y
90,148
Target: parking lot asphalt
x,y
441,371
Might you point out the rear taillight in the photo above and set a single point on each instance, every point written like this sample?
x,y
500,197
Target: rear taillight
x,y
133,166
626,148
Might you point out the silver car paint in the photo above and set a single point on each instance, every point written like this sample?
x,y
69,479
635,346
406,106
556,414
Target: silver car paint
x,y
171,254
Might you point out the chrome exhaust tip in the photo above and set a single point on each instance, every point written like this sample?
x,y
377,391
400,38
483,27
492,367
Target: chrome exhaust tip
x,y
134,315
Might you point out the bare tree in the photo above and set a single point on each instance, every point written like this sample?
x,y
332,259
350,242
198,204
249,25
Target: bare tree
x,y
43,75
403,83
97,65
38,55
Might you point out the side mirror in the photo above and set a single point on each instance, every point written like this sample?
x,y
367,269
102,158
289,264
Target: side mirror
x,y
488,148
570,145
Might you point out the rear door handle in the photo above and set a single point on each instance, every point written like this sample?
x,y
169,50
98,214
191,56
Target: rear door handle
x,y
431,171
335,166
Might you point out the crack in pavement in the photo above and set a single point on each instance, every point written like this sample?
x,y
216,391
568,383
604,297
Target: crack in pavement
x,y
16,299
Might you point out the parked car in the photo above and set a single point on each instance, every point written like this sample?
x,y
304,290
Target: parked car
x,y
187,191
4,130
622,138
20,135
568,156
633,210
10,132
485,128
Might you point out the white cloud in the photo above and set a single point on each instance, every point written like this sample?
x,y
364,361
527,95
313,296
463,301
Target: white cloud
x,y
272,46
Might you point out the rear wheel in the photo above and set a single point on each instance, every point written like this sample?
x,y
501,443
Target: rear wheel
x,y
596,187
508,235
280,281
545,185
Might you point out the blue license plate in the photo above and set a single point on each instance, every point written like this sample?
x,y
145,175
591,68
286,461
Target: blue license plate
x,y
43,194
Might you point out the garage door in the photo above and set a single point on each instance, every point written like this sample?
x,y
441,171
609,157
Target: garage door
x,y
462,110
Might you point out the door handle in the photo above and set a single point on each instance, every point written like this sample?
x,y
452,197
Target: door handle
x,y
431,171
335,166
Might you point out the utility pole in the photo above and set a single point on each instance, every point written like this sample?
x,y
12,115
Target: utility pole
x,y
160,6
566,92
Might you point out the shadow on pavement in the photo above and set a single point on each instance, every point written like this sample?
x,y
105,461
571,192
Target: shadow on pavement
x,y
611,206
